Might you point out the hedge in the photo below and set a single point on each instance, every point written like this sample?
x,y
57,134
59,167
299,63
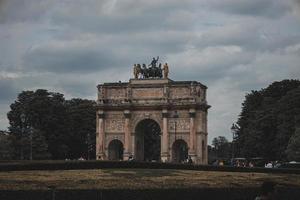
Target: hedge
x,y
93,164
165,194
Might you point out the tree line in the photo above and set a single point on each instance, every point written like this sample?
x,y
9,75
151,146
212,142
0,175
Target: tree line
x,y
55,128
269,123
44,125
268,126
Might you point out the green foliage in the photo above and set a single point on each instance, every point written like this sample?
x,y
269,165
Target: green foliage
x,y
293,148
268,120
56,128
221,148
5,147
82,128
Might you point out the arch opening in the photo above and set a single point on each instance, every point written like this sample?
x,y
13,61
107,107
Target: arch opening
x,y
147,140
115,150
179,151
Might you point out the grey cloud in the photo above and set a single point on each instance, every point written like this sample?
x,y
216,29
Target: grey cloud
x,y
209,64
250,35
101,16
4,108
77,87
63,59
265,8
92,53
12,11
156,20
7,90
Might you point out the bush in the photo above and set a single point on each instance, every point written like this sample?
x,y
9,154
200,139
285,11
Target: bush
x,y
68,165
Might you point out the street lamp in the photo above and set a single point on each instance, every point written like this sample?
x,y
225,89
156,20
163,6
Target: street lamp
x,y
23,118
233,130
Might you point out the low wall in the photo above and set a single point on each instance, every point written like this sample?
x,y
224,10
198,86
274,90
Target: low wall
x,y
157,194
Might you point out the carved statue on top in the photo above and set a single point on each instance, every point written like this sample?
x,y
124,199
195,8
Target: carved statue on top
x,y
166,70
135,71
153,62
152,72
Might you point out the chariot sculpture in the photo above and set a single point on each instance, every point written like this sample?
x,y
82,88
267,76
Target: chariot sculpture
x,y
152,71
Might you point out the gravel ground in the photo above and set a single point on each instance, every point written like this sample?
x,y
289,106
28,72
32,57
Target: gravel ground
x,y
138,179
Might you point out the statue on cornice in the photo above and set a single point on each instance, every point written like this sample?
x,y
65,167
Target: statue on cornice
x,y
153,71
166,70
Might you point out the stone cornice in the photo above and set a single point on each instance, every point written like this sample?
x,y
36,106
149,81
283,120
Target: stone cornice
x,y
203,107
150,82
101,116
127,114
201,133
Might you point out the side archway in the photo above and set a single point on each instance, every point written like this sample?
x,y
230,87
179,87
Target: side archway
x,y
179,151
115,150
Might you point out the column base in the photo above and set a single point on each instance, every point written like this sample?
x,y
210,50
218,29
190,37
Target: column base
x,y
193,157
127,155
100,156
165,157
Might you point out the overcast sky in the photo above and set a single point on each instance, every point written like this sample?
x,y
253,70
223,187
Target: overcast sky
x,y
70,46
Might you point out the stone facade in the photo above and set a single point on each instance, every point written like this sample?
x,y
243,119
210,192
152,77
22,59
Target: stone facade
x,y
179,108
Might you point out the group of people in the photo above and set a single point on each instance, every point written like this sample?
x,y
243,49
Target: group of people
x,y
152,72
271,164
236,163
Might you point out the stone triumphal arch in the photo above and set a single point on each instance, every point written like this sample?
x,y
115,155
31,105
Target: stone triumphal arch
x,y
153,118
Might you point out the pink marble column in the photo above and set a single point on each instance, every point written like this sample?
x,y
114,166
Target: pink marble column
x,y
100,140
127,135
192,149
165,138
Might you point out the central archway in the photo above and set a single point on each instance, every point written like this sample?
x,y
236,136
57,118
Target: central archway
x,y
147,141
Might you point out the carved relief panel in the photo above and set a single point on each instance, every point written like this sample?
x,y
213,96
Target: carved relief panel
x,y
114,125
180,92
114,93
114,122
182,125
147,93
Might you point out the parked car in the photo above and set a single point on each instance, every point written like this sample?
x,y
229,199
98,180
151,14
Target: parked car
x,y
292,164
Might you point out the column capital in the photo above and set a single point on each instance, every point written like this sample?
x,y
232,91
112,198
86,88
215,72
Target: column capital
x,y
127,114
165,113
192,113
101,114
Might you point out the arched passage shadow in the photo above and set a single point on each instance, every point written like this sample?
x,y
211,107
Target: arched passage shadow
x,y
147,140
115,150
179,151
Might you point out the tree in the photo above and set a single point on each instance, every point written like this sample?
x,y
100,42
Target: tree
x,y
44,111
293,148
39,145
61,128
267,120
221,147
5,146
81,122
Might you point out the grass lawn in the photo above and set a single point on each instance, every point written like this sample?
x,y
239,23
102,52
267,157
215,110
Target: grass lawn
x,y
138,179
